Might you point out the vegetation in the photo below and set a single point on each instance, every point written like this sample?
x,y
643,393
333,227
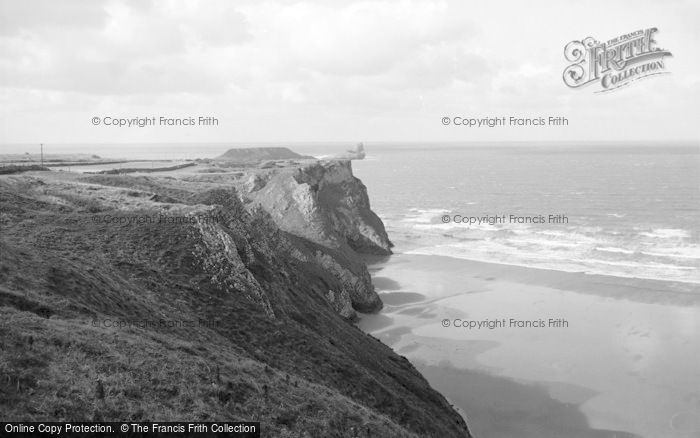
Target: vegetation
x,y
168,321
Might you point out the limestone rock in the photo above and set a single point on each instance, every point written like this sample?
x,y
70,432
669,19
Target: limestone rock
x,y
324,204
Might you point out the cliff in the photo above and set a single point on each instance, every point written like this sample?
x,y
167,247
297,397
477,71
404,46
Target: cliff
x,y
326,206
185,299
323,202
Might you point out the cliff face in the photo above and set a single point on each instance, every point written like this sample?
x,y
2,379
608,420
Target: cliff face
x,y
189,305
323,203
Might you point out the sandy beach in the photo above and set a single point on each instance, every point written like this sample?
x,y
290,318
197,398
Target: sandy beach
x,y
568,354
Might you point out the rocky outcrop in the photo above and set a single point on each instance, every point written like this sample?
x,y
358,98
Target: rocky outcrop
x,y
220,256
324,204
258,155
349,283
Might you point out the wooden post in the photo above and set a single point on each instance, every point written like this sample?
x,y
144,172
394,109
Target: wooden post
x,y
42,154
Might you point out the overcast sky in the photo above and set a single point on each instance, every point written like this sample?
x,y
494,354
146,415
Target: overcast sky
x,y
333,71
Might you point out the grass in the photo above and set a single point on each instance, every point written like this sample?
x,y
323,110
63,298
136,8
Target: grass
x,y
149,376
302,370
19,168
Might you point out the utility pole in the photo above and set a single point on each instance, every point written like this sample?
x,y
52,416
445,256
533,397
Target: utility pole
x,y
42,154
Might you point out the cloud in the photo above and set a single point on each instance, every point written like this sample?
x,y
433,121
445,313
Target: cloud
x,y
19,16
116,47
313,65
357,38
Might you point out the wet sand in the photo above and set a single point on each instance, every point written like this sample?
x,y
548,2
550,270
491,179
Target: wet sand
x,y
619,357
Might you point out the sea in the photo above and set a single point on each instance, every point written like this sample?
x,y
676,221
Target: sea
x,y
597,262
631,210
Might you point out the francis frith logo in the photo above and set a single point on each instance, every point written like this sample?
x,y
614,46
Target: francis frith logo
x,y
614,63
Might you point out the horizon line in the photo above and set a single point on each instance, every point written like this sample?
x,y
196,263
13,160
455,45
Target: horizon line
x,y
243,142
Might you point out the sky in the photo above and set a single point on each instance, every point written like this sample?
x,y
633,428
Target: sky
x,y
372,70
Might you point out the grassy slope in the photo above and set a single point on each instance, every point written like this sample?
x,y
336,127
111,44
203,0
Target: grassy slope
x,y
307,371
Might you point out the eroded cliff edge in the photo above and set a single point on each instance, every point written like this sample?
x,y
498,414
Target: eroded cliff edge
x,y
187,299
323,203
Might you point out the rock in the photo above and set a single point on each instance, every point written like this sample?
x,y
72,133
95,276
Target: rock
x,y
324,204
255,182
220,256
341,303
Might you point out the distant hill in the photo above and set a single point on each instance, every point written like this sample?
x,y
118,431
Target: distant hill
x,y
256,155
